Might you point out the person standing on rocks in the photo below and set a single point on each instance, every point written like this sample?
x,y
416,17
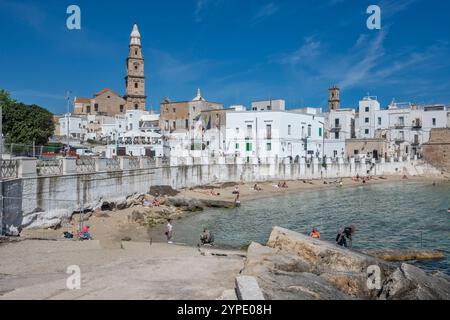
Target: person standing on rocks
x,y
169,231
343,235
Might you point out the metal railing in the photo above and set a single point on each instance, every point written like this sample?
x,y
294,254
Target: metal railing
x,y
134,163
8,169
112,165
49,167
85,165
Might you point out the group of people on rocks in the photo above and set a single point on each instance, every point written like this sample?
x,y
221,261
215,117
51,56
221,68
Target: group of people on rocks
x,y
344,238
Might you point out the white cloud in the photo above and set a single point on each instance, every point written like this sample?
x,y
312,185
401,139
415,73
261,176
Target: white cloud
x,y
264,12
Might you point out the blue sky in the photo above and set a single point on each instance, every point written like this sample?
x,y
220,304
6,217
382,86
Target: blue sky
x,y
234,50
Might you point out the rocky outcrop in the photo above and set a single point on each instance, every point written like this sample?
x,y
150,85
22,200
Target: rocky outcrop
x,y
295,266
190,204
405,255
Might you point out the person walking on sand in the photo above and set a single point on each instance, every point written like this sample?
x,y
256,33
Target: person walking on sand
x,y
169,231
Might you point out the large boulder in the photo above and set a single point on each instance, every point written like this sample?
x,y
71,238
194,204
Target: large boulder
x,y
295,266
46,219
411,283
282,276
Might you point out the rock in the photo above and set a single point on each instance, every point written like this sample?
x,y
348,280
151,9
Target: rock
x,y
137,216
321,255
295,266
186,203
85,216
46,219
127,239
411,283
247,288
405,255
285,276
163,191
228,295
122,205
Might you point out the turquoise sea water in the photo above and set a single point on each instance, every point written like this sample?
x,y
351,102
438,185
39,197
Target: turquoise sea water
x,y
391,215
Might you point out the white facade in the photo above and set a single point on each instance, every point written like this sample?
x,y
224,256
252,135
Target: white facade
x,y
341,124
269,105
74,126
368,107
270,134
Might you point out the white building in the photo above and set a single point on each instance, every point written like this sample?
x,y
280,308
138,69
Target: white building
x,y
270,134
74,126
269,105
366,120
407,127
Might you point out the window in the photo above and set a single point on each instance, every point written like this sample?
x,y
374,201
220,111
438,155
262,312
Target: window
x,y
237,146
166,125
96,107
379,121
366,120
131,126
268,131
434,121
367,109
269,147
401,121
336,135
366,131
249,131
248,147
135,52
135,67
88,109
336,122
320,132
187,124
309,130
121,108
174,110
289,130
269,108
174,125
136,85
136,106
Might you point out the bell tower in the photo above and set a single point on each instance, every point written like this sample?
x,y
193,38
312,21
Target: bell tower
x,y
334,99
135,80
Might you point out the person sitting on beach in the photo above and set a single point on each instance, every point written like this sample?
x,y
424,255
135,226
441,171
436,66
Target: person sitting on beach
x,y
257,188
343,235
284,185
156,202
315,234
206,237
85,234
279,185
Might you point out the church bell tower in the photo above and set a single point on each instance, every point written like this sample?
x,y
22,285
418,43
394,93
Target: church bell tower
x,y
135,79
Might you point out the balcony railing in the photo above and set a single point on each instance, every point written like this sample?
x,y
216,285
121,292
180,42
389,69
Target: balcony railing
x,y
399,126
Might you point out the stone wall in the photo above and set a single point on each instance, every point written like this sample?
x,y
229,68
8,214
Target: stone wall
x,y
437,150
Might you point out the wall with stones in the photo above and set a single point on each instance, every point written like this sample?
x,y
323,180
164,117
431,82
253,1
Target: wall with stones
x,y
437,150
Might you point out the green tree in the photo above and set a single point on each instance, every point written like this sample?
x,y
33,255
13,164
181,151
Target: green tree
x,y
25,123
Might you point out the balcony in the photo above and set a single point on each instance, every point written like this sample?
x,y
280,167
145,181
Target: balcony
x,y
399,140
399,126
336,128
417,125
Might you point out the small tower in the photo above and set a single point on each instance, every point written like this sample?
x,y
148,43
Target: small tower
x,y
334,99
135,79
